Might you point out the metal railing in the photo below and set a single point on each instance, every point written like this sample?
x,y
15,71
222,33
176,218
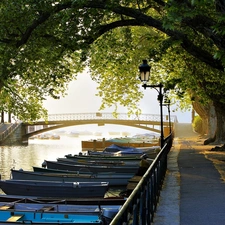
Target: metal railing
x,y
141,205
107,116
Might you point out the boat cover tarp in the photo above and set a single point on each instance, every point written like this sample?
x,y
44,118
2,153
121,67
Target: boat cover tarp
x,y
122,149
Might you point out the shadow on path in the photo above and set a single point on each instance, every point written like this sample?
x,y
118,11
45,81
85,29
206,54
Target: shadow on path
x,y
193,192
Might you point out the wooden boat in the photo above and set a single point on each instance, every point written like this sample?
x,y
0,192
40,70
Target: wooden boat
x,y
115,200
46,218
48,170
90,168
53,207
114,179
107,157
54,188
24,210
99,161
115,150
101,144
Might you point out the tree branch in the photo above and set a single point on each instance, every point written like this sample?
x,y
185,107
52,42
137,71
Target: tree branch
x,y
204,25
40,20
138,19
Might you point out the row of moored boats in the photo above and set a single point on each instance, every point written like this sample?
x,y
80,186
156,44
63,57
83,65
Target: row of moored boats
x,y
70,190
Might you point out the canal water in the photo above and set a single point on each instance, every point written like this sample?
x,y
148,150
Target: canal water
x,y
25,157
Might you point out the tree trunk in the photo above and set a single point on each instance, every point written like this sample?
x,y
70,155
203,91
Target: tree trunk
x,y
2,116
192,115
203,112
209,120
212,123
9,117
220,128
205,126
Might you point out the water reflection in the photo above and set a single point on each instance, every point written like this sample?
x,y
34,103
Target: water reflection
x,y
25,157
35,153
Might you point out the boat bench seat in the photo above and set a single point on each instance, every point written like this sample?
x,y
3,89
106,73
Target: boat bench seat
x,y
5,207
15,218
46,208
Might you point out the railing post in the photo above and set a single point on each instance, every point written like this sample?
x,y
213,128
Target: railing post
x,y
94,145
103,143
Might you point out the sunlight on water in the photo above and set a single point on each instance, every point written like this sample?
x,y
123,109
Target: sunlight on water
x,y
35,153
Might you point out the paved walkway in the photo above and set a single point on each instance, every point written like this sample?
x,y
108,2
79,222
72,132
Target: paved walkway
x,y
193,191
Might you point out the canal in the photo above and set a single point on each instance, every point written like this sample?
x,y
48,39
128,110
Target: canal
x,y
25,157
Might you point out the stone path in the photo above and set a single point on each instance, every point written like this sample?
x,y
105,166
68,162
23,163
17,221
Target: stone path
x,y
193,191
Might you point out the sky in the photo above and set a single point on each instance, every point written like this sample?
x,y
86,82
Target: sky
x,y
81,98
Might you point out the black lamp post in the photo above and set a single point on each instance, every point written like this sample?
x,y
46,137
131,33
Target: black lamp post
x,y
144,70
167,104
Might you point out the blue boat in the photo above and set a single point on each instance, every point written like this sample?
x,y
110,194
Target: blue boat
x,y
114,179
113,200
54,188
93,168
46,218
124,152
47,170
100,161
17,211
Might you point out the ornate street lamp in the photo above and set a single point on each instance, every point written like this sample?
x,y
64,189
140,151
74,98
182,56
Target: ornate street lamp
x,y
167,104
144,70
144,76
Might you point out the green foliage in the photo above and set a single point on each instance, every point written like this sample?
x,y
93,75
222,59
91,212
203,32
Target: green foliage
x,y
34,61
197,124
44,44
113,65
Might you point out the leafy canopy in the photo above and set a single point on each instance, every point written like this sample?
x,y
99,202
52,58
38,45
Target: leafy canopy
x,y
45,43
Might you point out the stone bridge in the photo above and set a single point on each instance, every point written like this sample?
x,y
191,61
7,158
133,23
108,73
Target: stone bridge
x,y
24,130
149,122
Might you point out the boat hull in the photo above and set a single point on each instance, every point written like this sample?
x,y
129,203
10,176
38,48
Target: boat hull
x,y
54,188
90,168
35,217
114,200
101,145
47,170
113,179
18,210
99,162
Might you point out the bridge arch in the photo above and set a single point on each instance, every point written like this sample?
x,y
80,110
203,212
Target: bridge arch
x,y
150,122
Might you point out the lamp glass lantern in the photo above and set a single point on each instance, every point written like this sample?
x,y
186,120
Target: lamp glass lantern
x,y
144,70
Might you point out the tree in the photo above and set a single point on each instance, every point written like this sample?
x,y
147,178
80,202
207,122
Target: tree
x,y
189,27
184,40
31,65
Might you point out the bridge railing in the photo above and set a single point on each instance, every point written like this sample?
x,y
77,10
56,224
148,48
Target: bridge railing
x,y
8,131
141,205
107,116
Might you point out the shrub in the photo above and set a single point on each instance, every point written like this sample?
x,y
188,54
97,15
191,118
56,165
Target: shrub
x,y
197,124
